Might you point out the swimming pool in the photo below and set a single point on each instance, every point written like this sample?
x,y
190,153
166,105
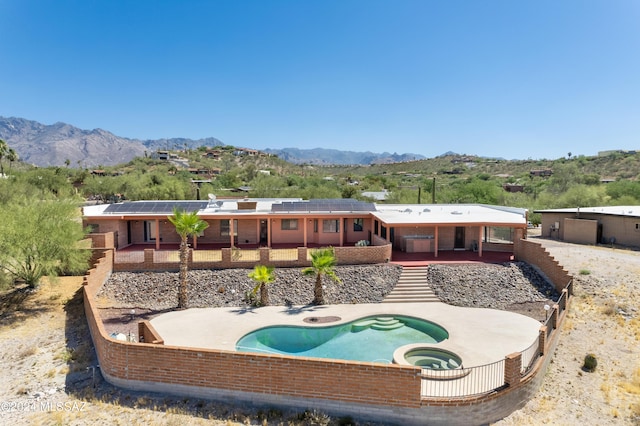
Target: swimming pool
x,y
372,339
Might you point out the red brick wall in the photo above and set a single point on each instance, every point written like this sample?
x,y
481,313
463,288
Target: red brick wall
x,y
534,254
103,240
148,333
344,256
344,382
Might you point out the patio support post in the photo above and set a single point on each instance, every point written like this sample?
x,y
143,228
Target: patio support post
x,y
305,224
269,232
157,224
480,232
232,231
435,250
341,230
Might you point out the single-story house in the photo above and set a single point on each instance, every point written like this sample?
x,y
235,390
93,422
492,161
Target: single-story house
x,y
274,223
376,195
593,225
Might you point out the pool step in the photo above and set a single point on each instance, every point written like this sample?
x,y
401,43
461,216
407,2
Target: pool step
x,y
412,287
384,327
380,323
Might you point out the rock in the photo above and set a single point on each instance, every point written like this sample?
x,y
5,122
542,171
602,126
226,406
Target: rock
x,y
229,287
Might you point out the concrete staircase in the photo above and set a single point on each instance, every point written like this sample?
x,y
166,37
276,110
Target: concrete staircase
x,y
412,287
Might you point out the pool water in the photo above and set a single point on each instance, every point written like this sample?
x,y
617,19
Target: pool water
x,y
372,339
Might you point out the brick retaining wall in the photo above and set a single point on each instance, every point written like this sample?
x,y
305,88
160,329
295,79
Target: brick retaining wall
x,y
534,254
378,392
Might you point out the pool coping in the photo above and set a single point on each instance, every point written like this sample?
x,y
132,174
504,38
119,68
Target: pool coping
x,y
478,335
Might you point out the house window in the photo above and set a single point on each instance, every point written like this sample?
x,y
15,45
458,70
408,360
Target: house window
x,y
225,227
330,225
358,225
289,224
383,232
498,235
315,225
375,227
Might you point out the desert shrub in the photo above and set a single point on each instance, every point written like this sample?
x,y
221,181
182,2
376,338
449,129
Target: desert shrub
x,y
590,363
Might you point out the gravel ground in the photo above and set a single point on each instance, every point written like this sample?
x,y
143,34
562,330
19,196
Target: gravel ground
x,y
229,287
514,286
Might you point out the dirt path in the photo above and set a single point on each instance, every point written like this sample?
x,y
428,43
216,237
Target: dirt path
x,y
46,359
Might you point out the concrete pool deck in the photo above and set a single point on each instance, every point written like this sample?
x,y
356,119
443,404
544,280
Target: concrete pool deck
x,y
479,336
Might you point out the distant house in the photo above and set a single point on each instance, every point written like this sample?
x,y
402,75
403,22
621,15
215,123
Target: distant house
x,y
245,151
162,155
541,172
376,195
203,171
510,187
616,151
214,154
593,225
98,172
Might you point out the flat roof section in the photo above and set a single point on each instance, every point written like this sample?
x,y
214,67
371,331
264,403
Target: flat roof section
x,y
631,211
402,214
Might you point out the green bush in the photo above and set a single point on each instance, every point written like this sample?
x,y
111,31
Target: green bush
x,y
590,363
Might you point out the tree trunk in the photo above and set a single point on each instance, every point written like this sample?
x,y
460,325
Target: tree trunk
x,y
318,298
264,295
184,266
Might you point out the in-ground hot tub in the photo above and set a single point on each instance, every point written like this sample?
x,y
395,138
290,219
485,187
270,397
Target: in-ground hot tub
x,y
433,359
436,363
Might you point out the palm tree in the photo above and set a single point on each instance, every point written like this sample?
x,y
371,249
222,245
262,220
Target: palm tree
x,y
323,261
187,225
4,150
12,156
263,275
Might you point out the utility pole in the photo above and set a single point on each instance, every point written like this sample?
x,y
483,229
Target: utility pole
x,y
433,191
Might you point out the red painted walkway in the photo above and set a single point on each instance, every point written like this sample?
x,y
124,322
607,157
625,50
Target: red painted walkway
x,y
424,259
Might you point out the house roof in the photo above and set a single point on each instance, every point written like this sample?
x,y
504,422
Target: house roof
x,y
630,211
376,195
389,214
399,214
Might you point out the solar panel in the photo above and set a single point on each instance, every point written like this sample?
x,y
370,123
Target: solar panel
x,y
156,207
328,205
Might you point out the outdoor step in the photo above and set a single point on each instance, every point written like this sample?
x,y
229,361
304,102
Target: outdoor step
x,y
412,286
411,294
410,299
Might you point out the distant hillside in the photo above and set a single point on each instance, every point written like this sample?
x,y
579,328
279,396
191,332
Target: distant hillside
x,y
52,145
321,156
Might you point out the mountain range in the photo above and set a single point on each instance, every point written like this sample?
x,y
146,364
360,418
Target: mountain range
x,y
61,143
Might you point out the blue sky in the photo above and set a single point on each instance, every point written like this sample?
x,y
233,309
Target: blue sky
x,y
513,79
